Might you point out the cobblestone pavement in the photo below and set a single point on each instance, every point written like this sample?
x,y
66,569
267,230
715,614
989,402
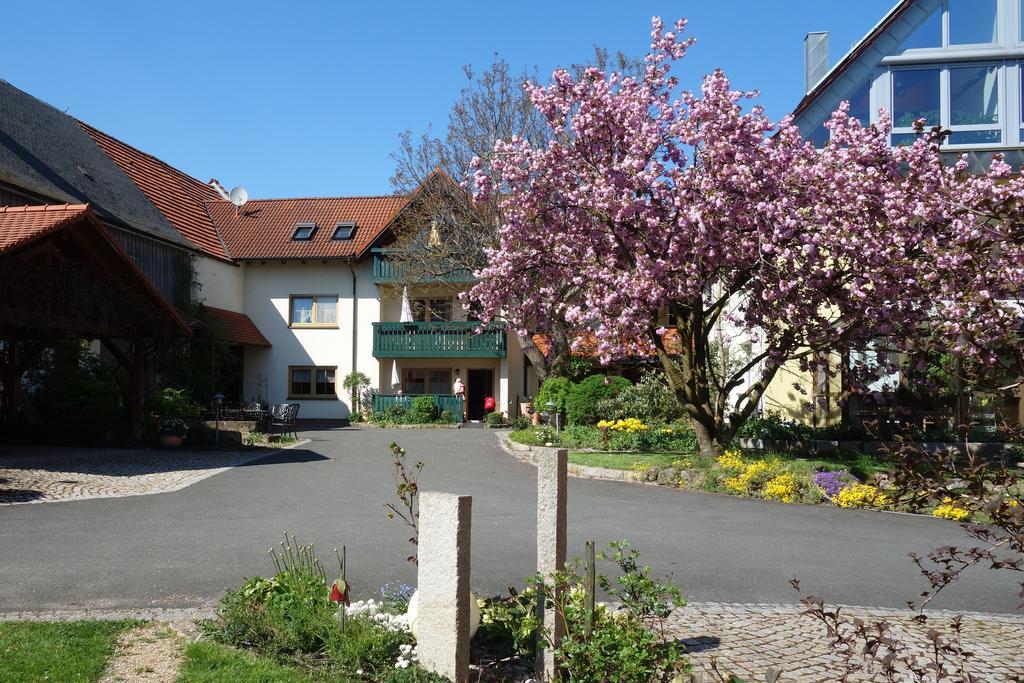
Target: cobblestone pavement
x,y
750,639
34,474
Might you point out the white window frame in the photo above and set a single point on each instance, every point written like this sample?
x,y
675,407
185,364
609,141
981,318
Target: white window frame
x,y
1005,108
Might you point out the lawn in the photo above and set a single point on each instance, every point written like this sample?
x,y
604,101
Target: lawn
x,y
57,651
212,663
621,461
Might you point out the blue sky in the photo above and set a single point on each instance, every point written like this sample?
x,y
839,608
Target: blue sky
x,y
307,98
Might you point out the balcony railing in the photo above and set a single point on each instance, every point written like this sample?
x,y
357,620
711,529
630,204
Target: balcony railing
x,y
381,402
438,340
386,271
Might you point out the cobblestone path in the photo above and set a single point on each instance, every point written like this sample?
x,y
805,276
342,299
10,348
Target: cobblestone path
x,y
51,474
750,639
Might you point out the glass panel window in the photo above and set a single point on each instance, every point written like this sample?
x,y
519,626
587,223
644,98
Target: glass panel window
x,y
975,137
860,103
325,381
302,311
819,135
432,310
327,310
928,34
431,381
972,22
915,95
315,311
973,95
903,139
439,381
301,384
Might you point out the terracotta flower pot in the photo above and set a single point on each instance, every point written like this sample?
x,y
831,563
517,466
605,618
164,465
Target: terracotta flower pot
x,y
170,441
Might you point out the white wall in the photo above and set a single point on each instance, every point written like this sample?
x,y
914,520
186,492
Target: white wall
x,y
268,287
221,285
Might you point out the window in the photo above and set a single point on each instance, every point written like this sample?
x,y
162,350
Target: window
x,y
860,103
972,22
314,311
304,232
431,310
343,231
427,381
968,22
928,34
311,382
964,99
819,135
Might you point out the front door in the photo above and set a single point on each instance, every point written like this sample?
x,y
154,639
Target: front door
x,y
480,385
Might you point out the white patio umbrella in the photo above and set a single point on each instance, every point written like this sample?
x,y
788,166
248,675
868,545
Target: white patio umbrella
x,y
404,317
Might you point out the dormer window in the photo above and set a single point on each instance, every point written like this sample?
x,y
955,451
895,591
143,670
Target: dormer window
x,y
344,230
304,232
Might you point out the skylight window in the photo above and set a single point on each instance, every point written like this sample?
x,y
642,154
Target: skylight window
x,y
304,232
344,230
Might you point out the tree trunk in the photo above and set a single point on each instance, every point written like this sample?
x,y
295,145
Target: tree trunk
x,y
536,358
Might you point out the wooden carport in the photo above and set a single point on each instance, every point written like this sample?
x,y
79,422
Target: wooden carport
x,y
62,276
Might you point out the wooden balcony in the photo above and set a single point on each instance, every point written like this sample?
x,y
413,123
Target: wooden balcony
x,y
438,340
385,271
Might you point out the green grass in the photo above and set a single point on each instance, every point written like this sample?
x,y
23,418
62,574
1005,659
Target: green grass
x,y
212,663
621,461
532,436
57,651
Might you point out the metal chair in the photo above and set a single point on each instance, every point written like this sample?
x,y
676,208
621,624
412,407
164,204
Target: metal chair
x,y
284,416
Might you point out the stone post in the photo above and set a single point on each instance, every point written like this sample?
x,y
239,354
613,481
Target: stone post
x,y
552,472
442,619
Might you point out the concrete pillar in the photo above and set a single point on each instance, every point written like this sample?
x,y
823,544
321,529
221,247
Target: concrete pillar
x,y
552,473
443,611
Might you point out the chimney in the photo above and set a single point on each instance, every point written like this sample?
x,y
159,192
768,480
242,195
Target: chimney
x,y
815,59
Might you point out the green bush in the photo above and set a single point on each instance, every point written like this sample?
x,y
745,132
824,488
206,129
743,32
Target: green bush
x,y
424,410
396,412
495,419
170,402
582,436
649,400
581,406
447,416
555,390
520,422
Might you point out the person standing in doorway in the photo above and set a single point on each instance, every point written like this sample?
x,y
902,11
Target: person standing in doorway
x,y
459,389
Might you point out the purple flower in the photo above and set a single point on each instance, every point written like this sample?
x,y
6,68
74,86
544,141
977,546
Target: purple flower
x,y
831,482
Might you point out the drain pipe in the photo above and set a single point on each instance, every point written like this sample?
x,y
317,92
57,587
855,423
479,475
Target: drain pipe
x,y
355,319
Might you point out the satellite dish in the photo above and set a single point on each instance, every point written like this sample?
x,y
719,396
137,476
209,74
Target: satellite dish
x,y
238,196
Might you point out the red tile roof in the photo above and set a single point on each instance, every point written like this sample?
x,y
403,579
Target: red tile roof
x,y
178,196
639,349
22,224
239,328
262,229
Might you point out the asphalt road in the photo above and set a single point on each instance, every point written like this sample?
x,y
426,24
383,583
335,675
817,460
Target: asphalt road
x,y
186,547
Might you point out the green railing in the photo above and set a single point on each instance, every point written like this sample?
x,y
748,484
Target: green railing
x,y
438,340
443,401
385,271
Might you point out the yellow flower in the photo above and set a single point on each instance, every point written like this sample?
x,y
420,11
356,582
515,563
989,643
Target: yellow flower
x,y
782,487
730,462
861,496
951,510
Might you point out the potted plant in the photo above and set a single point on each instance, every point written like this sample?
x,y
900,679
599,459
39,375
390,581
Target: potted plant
x,y
172,432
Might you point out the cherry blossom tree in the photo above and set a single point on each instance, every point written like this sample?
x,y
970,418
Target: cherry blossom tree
x,y
646,200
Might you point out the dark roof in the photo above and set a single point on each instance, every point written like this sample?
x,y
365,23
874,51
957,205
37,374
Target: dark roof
x,y
177,195
848,60
46,152
263,228
239,328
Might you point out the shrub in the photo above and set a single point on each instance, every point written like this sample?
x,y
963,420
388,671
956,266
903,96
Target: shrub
x,y
554,390
581,436
396,412
771,427
519,422
355,418
832,482
169,402
447,416
495,419
424,409
581,406
649,400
